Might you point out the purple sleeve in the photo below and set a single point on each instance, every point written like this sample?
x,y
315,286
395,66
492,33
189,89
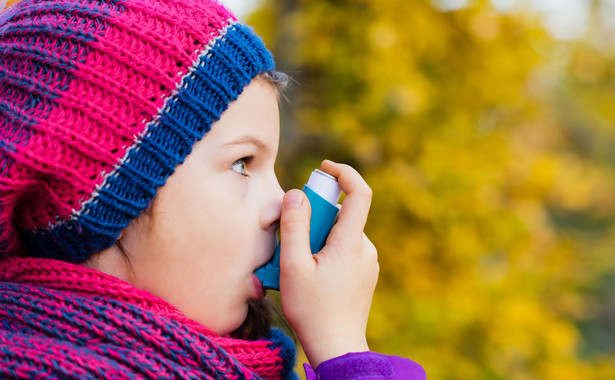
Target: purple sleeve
x,y
366,366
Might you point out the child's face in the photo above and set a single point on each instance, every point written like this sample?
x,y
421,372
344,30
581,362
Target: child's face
x,y
214,222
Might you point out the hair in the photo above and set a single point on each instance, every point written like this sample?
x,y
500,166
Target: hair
x,y
279,80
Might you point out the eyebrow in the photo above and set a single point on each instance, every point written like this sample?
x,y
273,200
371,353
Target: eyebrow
x,y
248,140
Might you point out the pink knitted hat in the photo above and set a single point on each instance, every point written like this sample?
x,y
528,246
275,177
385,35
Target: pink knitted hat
x,y
100,100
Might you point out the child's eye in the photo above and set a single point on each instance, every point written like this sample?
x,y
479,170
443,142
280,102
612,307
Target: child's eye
x,y
241,165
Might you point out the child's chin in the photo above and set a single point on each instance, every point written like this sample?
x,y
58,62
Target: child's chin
x,y
235,329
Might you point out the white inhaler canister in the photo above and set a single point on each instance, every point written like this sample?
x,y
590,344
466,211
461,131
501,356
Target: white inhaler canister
x,y
323,191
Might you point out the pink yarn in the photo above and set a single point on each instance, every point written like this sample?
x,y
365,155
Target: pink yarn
x,y
144,41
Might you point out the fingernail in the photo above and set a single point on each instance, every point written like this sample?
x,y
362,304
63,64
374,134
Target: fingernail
x,y
293,199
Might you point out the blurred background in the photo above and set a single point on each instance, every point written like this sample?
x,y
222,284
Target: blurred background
x,y
487,132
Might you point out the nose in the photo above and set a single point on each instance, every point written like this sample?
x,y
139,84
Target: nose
x,y
273,206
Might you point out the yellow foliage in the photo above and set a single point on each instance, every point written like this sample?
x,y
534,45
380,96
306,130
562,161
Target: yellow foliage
x,y
489,147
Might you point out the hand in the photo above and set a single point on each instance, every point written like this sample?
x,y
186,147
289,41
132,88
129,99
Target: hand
x,y
326,297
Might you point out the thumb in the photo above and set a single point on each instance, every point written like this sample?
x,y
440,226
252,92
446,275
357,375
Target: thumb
x,y
295,229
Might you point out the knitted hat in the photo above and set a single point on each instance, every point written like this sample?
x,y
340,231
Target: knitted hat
x,y
100,100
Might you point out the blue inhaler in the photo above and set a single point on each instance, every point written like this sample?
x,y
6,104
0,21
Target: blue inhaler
x,y
323,192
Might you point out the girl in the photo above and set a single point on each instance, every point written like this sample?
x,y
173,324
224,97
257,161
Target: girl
x,y
137,197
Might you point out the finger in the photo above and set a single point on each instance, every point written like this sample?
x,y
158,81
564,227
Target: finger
x,y
295,229
355,208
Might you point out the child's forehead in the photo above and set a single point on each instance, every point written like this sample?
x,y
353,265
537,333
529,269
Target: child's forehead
x,y
253,119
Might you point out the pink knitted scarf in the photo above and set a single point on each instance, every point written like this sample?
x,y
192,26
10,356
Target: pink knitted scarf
x,y
60,320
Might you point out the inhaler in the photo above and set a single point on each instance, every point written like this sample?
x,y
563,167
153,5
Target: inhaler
x,y
323,192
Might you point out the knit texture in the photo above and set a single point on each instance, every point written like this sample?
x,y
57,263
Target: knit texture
x,y
60,320
100,100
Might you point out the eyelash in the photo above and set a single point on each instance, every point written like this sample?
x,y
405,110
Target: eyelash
x,y
245,160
